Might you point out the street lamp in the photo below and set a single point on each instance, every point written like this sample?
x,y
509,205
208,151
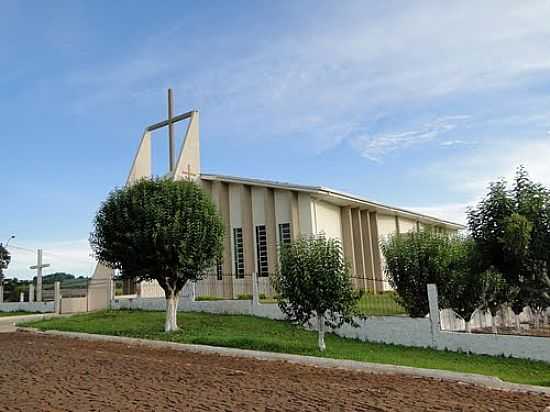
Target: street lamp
x,y
10,238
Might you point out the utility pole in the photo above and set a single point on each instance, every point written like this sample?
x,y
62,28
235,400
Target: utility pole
x,y
39,266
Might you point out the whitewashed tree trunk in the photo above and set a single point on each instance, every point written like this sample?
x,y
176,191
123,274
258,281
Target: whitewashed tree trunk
x,y
493,323
321,329
467,326
537,319
171,323
518,326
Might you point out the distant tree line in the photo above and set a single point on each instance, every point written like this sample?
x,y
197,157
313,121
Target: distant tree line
x,y
502,262
14,286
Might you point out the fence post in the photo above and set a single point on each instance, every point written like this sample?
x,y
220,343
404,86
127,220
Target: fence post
x,y
193,291
1,292
31,293
22,297
435,320
255,294
57,297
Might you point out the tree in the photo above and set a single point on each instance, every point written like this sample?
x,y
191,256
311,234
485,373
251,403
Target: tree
x,y
162,230
464,291
413,260
512,230
313,281
495,293
5,259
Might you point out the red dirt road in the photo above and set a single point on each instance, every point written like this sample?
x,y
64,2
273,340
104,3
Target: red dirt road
x,y
47,373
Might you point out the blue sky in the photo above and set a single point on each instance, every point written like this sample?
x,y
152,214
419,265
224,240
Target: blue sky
x,y
416,104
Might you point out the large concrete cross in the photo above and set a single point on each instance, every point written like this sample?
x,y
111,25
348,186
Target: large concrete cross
x,y
170,121
39,266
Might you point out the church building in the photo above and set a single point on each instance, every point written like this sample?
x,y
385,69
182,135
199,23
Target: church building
x,y
261,214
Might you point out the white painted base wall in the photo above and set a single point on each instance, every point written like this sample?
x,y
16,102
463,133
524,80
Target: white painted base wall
x,y
398,330
39,307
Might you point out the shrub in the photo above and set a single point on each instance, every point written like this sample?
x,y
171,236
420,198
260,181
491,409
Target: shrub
x,y
414,260
314,282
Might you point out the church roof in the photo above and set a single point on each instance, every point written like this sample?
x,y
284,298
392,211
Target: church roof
x,y
336,197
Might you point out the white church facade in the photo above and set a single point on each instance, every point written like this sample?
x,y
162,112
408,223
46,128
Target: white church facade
x,y
261,214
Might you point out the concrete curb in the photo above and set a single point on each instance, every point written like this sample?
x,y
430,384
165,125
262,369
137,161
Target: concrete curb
x,y
366,367
22,318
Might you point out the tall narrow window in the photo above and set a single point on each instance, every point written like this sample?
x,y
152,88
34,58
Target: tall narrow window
x,y
238,252
219,269
284,233
261,250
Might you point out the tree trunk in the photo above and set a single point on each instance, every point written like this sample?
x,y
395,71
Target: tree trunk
x,y
321,329
467,326
494,323
171,323
537,319
518,326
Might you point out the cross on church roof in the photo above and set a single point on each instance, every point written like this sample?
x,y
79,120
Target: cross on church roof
x,y
170,121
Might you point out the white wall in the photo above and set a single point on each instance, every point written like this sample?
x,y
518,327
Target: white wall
x,y
407,225
282,209
41,307
327,219
398,330
305,212
258,205
386,227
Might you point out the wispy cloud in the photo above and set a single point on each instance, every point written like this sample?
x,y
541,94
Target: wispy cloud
x,y
338,73
454,212
377,146
471,172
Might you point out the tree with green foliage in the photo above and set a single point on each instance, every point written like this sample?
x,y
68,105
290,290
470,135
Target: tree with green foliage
x,y
159,229
464,290
5,259
413,260
314,282
512,230
495,294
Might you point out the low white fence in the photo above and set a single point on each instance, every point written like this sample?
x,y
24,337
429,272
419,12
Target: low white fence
x,y
37,307
450,321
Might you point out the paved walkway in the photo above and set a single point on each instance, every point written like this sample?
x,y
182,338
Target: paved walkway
x,y
8,323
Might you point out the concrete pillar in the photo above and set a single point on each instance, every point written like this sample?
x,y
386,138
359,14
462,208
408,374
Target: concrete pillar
x,y
294,216
255,293
31,292
112,289
367,249
22,297
57,297
347,238
397,227
377,259
435,319
358,253
248,232
271,230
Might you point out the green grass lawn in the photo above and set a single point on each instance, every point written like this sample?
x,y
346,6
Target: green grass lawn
x,y
248,332
382,304
5,314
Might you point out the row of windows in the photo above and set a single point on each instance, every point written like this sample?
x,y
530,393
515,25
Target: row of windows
x,y
261,250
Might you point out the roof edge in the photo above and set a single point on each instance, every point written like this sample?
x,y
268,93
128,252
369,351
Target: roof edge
x,y
321,190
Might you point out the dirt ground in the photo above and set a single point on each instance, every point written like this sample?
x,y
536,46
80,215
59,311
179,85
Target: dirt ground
x,y
47,373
